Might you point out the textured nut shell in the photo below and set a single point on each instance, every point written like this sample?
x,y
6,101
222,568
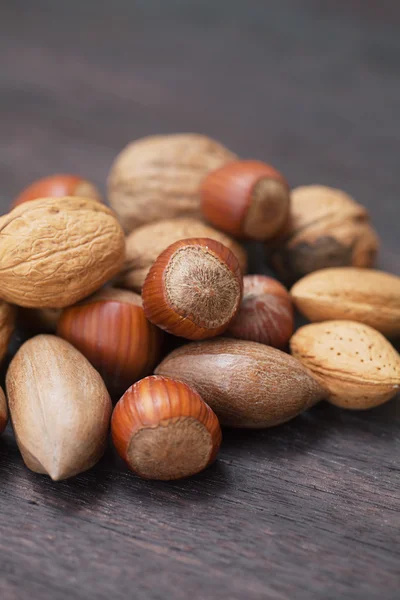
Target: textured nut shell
x,y
355,363
7,324
326,228
364,295
3,411
146,243
54,252
265,314
245,383
59,406
156,404
57,186
158,177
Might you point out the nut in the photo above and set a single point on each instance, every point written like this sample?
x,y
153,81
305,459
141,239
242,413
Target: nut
x,y
3,411
265,314
371,297
355,363
326,228
158,177
245,383
246,198
55,252
58,186
59,406
111,330
193,289
7,325
146,243
164,430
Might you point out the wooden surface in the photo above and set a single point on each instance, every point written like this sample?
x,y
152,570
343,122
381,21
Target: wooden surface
x,y
306,510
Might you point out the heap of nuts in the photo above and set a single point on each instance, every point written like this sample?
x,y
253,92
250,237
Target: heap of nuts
x,y
150,303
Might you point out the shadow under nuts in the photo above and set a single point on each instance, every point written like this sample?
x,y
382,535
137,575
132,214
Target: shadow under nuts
x,y
357,366
59,406
365,295
111,330
326,228
146,243
3,411
7,325
54,252
245,383
194,289
158,177
164,430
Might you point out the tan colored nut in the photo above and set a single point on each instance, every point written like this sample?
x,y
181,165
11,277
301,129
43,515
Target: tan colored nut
x,y
56,251
326,228
358,367
3,411
246,384
159,177
145,244
364,295
7,325
59,406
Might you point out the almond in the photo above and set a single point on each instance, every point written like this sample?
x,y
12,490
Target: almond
x,y
355,363
364,295
246,384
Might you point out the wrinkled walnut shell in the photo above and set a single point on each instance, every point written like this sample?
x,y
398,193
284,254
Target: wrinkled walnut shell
x,y
159,177
326,228
56,251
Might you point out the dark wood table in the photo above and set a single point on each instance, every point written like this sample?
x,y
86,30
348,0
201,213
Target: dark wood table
x,y
309,509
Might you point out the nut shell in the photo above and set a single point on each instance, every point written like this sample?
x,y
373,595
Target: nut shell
x,y
164,430
58,186
55,252
265,314
358,367
245,383
246,198
158,177
326,228
111,330
3,411
146,243
193,289
59,406
7,325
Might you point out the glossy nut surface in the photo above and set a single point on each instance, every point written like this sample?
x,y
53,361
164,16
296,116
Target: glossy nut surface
x,y
247,198
3,411
112,331
164,430
57,186
265,314
193,289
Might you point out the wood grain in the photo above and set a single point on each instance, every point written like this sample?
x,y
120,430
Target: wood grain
x,y
310,509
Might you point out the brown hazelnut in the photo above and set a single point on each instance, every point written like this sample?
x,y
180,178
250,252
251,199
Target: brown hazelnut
x,y
58,186
158,177
265,314
326,228
3,411
163,429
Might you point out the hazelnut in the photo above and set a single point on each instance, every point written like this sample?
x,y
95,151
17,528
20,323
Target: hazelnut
x,y
326,228
56,251
193,289
58,186
246,198
158,177
163,429
3,411
145,244
111,330
265,314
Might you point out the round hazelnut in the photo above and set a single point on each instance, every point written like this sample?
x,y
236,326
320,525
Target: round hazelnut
x,y
265,314
158,177
3,411
58,186
111,330
246,198
326,228
193,289
163,429
146,243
